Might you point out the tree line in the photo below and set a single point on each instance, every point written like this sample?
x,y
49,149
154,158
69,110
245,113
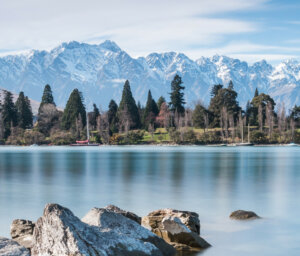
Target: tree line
x,y
222,121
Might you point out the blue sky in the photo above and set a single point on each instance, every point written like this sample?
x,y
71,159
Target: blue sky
x,y
249,30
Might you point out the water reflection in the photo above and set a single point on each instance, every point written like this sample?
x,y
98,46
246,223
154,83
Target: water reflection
x,y
210,181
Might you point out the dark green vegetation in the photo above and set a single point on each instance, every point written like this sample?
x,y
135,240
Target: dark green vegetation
x,y
223,121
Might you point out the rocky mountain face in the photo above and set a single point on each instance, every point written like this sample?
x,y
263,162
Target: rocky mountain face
x,y
99,71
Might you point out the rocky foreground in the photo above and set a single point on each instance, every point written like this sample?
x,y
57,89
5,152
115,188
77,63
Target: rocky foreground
x,y
107,231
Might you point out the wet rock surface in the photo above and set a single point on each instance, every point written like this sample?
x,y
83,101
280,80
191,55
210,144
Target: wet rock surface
x,y
243,215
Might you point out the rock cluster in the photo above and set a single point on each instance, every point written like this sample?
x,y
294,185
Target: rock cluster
x,y
108,231
243,215
181,229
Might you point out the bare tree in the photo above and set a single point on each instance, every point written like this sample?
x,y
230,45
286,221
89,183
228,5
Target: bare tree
x,y
292,125
103,128
270,118
1,127
232,127
241,126
260,118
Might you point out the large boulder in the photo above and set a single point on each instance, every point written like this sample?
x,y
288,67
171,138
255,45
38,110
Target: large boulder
x,y
10,247
181,229
59,232
243,215
127,214
154,219
109,221
22,232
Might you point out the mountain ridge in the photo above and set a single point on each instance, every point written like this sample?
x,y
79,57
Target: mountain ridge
x,y
100,70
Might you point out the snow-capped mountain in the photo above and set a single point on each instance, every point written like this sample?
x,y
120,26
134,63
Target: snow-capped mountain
x,y
99,71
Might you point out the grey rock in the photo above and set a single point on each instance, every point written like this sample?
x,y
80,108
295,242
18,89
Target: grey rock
x,y
22,232
243,215
111,221
10,247
59,232
127,214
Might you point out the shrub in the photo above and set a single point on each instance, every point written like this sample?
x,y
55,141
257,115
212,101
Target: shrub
x,y
62,138
258,137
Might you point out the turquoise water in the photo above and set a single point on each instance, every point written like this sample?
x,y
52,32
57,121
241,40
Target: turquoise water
x,y
213,181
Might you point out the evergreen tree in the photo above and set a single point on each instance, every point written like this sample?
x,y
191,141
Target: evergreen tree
x,y
24,112
225,98
199,115
177,96
230,85
151,111
112,117
256,93
47,97
128,111
160,101
74,111
9,113
94,116
215,89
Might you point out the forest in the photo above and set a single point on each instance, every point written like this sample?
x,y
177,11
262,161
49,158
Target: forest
x,y
161,121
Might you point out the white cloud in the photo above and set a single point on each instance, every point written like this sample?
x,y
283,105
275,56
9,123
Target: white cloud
x,y
138,26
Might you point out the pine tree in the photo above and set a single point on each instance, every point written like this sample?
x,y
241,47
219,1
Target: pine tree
x,y
151,111
94,116
128,111
74,110
112,116
47,97
160,101
215,89
9,113
177,96
200,114
24,111
230,85
256,93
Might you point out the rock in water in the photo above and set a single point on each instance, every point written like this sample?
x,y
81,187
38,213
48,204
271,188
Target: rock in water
x,y
127,214
59,232
12,248
22,232
107,220
181,229
243,215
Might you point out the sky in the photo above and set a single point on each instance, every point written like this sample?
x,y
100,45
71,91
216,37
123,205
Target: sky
x,y
250,30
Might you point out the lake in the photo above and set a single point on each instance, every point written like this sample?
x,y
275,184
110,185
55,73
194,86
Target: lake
x,y
212,181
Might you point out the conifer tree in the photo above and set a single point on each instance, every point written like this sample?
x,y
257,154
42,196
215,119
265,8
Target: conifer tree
x,y
24,112
256,92
177,96
160,101
128,111
112,116
74,110
93,117
47,97
151,111
9,113
230,85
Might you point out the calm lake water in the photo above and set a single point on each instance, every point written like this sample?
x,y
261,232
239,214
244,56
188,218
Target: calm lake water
x,y
212,181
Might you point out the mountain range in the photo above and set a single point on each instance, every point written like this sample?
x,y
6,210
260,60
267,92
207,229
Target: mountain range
x,y
99,72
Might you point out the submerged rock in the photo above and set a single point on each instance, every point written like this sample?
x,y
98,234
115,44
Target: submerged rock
x,y
127,214
22,232
181,229
59,232
107,220
10,247
243,215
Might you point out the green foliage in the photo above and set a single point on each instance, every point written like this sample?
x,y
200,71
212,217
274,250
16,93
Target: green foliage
x,y
74,111
9,113
200,114
112,116
177,96
151,111
189,136
24,112
174,135
128,110
258,137
160,101
62,138
134,137
215,89
93,116
224,97
295,114
48,118
47,97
